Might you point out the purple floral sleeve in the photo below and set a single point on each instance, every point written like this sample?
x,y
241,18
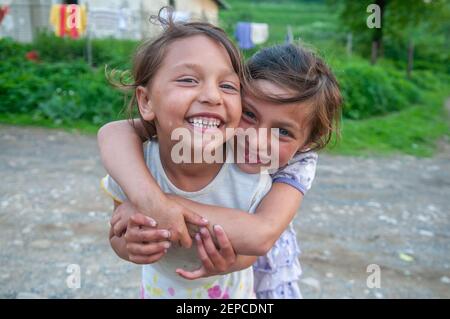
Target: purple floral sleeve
x,y
299,172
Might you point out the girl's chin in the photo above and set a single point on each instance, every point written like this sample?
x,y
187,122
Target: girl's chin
x,y
251,168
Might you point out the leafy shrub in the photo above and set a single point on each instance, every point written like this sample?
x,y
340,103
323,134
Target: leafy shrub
x,y
104,51
374,90
62,87
60,91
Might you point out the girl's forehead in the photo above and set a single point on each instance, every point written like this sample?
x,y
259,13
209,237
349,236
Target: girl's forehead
x,y
198,52
270,110
273,89
197,46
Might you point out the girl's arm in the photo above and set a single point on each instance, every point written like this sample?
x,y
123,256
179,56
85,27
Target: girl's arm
x,y
122,156
250,234
218,260
114,140
242,262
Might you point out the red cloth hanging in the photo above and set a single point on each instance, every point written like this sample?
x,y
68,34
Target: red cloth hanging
x,y
62,20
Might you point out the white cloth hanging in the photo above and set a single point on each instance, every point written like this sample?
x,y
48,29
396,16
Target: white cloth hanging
x,y
260,32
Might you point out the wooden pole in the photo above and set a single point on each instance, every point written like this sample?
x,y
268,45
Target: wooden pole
x,y
349,43
88,38
374,56
290,35
410,58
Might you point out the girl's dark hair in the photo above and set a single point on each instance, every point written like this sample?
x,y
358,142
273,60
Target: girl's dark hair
x,y
302,71
150,55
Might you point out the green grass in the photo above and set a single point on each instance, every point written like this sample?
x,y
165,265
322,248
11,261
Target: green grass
x,y
83,127
414,131
313,23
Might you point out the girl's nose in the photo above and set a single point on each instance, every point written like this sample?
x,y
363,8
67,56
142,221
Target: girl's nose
x,y
211,95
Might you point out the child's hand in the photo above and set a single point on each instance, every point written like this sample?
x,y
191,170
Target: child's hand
x,y
214,262
192,229
173,216
121,216
144,243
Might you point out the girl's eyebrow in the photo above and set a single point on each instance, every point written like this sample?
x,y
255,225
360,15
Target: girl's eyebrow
x,y
198,68
190,66
287,125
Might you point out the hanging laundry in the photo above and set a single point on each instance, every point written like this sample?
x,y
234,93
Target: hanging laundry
x,y
104,22
116,23
3,12
6,21
68,20
243,35
260,32
124,16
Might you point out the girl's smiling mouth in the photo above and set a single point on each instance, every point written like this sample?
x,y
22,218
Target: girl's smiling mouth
x,y
206,121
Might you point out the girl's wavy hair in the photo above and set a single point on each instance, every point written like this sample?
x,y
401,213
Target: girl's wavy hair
x,y
302,71
150,55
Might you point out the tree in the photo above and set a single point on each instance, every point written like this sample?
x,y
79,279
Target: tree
x,y
398,19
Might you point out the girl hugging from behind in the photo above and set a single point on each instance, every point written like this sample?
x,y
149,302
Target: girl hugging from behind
x,y
191,77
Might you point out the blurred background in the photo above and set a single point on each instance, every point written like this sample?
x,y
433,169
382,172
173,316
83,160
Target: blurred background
x,y
380,199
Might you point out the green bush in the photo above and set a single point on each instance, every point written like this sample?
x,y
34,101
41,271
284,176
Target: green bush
x,y
59,91
104,51
10,50
374,90
63,87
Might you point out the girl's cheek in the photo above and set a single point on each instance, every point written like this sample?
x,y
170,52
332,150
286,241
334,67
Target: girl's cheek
x,y
235,109
286,152
244,124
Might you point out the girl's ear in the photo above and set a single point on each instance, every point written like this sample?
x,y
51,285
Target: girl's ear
x,y
144,103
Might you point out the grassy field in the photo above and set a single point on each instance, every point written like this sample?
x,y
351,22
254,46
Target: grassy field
x,y
83,127
312,23
414,131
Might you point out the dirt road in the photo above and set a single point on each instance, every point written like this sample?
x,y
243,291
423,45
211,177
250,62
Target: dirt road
x,y
393,212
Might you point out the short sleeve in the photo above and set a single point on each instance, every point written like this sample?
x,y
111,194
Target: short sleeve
x,y
299,172
112,189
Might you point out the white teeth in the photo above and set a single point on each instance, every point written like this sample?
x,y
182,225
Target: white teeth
x,y
204,122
